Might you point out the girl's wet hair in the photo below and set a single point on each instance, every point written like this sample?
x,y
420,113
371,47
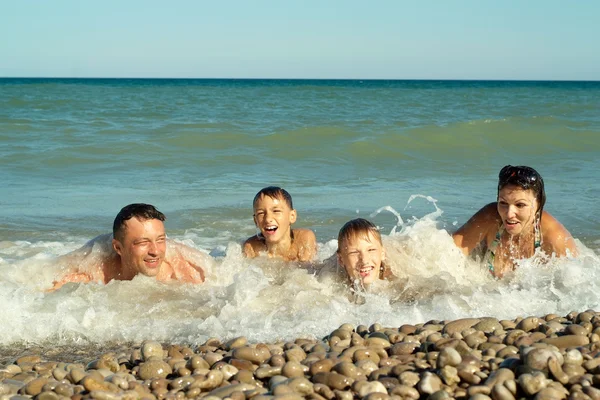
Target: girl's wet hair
x,y
357,227
274,192
526,178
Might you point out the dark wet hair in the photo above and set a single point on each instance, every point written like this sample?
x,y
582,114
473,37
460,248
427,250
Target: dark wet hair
x,y
140,211
274,192
526,178
357,227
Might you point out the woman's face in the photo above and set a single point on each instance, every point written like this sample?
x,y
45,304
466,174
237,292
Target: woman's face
x,y
517,208
361,257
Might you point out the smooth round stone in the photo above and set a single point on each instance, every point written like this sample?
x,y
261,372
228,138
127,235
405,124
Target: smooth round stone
x,y
350,370
448,356
235,343
212,380
293,369
537,358
499,376
529,324
296,354
532,383
267,372
34,387
342,334
469,377
64,390
154,369
106,361
324,365
245,376
508,351
377,342
449,375
584,317
30,360
277,360
475,339
459,325
403,348
550,394
367,366
563,342
76,375
576,330
300,385
488,325
429,383
228,371
406,392
151,348
366,354
197,362
254,355
500,392
225,391
333,380
367,388
557,371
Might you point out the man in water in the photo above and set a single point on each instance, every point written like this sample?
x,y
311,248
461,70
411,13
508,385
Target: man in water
x,y
138,245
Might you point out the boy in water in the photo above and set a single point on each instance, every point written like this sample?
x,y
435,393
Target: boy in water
x,y
274,215
361,254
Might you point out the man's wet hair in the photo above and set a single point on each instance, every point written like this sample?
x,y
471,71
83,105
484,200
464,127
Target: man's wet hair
x,y
358,227
274,192
526,178
140,211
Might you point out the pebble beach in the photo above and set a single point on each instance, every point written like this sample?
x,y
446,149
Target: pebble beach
x,y
542,357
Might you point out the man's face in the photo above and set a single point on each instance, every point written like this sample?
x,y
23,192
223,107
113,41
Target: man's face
x,y
274,217
143,246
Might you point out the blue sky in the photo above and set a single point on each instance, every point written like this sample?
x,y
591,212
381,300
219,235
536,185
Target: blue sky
x,y
420,39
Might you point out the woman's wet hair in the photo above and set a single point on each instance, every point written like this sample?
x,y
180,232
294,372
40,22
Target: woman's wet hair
x,y
274,192
358,227
140,211
526,178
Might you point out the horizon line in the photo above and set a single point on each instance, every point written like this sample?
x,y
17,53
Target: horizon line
x,y
309,79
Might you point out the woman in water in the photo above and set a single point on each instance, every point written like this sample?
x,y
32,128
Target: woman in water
x,y
514,226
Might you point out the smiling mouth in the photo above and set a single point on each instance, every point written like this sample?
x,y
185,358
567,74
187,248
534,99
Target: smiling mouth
x,y
365,270
270,230
152,262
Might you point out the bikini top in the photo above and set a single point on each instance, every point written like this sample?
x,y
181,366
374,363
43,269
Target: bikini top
x,y
490,254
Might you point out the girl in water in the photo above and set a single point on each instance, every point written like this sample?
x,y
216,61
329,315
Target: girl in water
x,y
514,226
361,254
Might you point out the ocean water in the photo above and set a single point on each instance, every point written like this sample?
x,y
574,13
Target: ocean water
x,y
416,157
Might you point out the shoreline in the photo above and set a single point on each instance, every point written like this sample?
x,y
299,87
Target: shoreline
x,y
544,357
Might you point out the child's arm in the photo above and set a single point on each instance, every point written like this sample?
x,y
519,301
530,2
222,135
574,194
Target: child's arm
x,y
249,250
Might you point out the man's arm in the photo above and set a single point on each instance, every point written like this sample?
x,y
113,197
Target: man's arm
x,y
187,264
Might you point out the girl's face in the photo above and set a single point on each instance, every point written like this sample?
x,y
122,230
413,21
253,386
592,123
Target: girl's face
x,y
361,257
517,208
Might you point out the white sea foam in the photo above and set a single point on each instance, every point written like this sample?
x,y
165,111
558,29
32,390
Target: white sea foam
x,y
266,300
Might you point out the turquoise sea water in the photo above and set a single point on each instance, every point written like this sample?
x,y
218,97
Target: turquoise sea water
x,y
74,151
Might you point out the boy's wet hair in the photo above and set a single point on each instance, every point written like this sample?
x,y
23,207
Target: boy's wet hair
x,y
526,178
358,227
274,192
140,211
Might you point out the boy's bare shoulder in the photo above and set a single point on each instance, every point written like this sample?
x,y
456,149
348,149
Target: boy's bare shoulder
x,y
305,235
253,245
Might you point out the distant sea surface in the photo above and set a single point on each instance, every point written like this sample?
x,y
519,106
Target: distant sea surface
x,y
426,154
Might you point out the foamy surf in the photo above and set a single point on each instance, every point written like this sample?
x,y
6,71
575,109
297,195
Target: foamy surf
x,y
266,300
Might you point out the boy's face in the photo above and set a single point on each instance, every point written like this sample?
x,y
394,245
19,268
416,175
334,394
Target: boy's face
x,y
361,257
274,217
